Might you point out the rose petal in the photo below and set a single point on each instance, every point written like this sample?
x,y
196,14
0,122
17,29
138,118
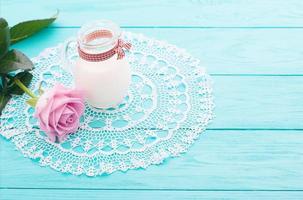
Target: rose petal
x,y
58,111
67,113
59,101
44,100
62,129
55,116
65,130
63,119
43,114
51,136
79,107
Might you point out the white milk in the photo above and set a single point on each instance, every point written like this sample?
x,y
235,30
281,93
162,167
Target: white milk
x,y
105,82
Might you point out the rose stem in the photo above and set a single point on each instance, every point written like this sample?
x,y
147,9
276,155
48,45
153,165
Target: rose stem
x,y
24,88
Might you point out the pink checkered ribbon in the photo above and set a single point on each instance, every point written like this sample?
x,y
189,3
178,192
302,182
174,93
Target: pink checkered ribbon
x,y
118,49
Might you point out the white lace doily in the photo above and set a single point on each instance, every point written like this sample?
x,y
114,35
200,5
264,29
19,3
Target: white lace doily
x,y
168,105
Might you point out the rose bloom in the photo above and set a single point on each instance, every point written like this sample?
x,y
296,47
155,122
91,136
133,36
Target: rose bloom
x,y
59,110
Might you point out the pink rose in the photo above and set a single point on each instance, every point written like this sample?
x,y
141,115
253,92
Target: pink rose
x,y
59,110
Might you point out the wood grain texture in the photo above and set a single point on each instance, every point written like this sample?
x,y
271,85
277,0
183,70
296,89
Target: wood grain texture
x,y
204,13
271,102
13,194
257,102
222,51
219,160
253,149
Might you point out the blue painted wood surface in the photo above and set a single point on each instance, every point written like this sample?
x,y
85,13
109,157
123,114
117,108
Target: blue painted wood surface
x,y
253,149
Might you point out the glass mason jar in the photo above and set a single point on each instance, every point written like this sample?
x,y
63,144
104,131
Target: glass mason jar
x,y
101,69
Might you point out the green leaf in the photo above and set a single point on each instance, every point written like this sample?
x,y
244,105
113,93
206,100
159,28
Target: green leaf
x,y
3,83
3,23
25,29
15,60
25,77
4,37
41,91
4,98
32,102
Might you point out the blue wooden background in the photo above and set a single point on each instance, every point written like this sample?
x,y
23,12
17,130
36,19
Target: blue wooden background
x,y
253,150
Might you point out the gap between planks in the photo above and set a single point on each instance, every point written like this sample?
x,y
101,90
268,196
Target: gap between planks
x,y
193,27
221,129
151,189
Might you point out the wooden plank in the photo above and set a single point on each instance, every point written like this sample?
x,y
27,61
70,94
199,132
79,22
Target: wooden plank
x,y
257,102
205,13
219,160
39,194
222,51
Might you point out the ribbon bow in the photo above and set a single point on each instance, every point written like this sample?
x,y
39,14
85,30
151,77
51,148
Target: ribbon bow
x,y
121,45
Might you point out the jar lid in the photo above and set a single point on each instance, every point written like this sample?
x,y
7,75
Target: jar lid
x,y
88,42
